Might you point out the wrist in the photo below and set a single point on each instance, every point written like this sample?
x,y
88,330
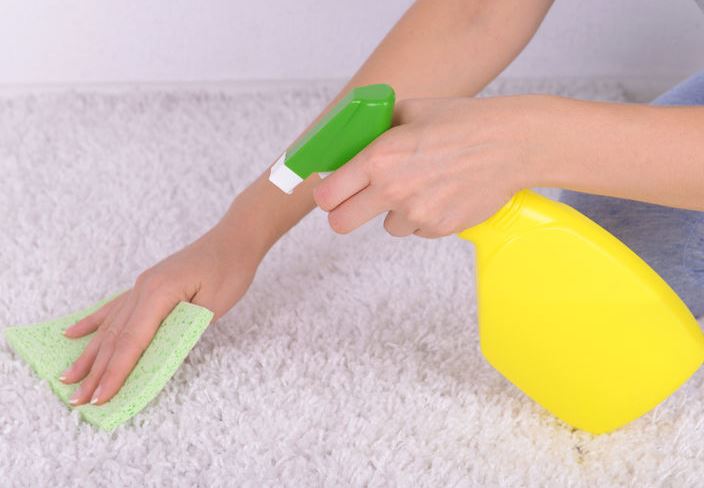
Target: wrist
x,y
547,127
262,213
242,232
580,145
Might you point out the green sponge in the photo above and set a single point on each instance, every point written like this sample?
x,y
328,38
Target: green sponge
x,y
49,353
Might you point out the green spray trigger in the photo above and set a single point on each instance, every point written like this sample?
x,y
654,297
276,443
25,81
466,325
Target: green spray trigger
x,y
357,119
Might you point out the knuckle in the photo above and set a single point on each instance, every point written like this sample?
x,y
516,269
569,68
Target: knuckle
x,y
376,159
394,192
389,150
130,341
149,281
381,153
417,213
110,334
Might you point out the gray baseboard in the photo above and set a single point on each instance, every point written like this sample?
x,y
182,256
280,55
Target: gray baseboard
x,y
632,89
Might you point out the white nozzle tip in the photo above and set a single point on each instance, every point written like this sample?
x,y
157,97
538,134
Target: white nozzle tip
x,y
283,177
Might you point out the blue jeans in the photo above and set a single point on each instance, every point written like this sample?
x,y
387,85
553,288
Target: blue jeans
x,y
670,240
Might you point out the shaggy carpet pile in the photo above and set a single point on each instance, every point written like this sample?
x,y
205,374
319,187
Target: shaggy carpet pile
x,y
353,360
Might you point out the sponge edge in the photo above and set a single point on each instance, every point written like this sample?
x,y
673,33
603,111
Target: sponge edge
x,y
44,347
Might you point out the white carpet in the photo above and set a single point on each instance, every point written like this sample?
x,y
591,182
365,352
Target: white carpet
x,y
352,360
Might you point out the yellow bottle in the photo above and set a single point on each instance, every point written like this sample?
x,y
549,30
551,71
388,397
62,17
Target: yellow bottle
x,y
566,311
574,318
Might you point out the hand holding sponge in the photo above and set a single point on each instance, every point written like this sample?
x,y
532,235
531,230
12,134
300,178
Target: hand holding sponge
x,y
44,347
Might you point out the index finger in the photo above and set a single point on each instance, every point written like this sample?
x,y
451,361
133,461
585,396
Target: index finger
x,y
346,181
134,338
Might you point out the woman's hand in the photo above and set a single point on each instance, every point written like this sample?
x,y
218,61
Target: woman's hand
x,y
446,164
215,271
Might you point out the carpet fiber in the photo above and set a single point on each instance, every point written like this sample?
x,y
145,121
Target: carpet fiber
x,y
353,360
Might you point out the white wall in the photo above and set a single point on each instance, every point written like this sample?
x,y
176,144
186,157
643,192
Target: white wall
x,y
65,41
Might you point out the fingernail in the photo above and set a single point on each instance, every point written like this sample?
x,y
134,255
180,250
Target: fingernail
x,y
95,396
76,394
65,374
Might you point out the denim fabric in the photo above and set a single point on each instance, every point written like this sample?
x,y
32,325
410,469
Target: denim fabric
x,y
670,240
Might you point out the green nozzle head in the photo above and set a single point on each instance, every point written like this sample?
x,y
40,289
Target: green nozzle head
x,y
359,118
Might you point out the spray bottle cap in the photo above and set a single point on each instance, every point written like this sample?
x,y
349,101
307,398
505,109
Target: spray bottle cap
x,y
357,119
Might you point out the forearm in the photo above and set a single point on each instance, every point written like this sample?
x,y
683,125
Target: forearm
x,y
639,152
448,48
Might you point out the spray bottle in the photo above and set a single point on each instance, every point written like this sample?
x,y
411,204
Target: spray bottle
x,y
566,311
